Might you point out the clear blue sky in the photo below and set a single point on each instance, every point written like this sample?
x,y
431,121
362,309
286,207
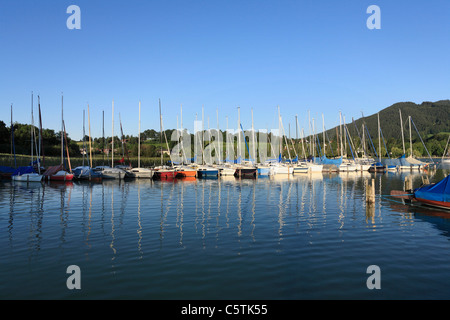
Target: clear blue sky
x,y
301,55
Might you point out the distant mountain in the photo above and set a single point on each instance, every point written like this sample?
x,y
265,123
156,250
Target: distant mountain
x,y
430,118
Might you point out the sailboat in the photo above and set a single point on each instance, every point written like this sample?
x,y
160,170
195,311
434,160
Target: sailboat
x,y
444,160
435,194
347,165
184,170
408,163
57,173
27,174
245,169
378,166
112,172
140,172
163,172
87,172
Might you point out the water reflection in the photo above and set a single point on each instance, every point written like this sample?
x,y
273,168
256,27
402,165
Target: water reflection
x,y
225,212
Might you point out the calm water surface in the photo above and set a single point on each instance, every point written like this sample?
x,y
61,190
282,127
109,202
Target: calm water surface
x,y
306,237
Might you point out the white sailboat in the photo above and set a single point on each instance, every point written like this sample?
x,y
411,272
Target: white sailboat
x,y
112,172
140,172
30,176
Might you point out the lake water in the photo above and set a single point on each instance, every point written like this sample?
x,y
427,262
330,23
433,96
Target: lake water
x,y
306,237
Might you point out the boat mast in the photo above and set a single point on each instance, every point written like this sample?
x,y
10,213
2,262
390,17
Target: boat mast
x,y
219,154
323,125
309,125
103,132
31,128
41,138
112,136
84,138
253,140
410,137
340,133
160,135
62,135
90,147
279,132
139,137
401,126
239,135
379,138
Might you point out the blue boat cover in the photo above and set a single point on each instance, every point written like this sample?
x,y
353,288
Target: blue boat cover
x,y
6,169
325,160
435,192
22,170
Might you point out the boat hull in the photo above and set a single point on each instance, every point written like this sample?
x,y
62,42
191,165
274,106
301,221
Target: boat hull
x,y
141,173
263,171
28,177
244,172
164,175
207,173
186,174
226,171
437,204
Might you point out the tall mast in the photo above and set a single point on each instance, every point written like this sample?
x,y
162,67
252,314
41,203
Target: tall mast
x,y
401,126
31,128
410,137
323,125
239,134
62,136
103,132
279,132
139,138
112,137
253,140
379,138
160,136
340,133
41,138
90,147
84,137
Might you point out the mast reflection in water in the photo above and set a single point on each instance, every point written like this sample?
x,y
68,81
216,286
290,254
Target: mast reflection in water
x,y
293,237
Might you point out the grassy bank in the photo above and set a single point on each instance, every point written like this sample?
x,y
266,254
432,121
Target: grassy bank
x,y
24,160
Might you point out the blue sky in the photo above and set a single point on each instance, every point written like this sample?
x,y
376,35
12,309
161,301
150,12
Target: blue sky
x,y
301,55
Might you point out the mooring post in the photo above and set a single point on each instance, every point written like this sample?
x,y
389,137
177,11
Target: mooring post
x,y
370,191
408,183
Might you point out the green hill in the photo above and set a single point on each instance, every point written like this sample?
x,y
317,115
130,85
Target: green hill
x,y
430,122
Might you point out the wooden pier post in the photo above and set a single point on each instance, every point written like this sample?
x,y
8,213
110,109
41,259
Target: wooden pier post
x,y
370,191
408,183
